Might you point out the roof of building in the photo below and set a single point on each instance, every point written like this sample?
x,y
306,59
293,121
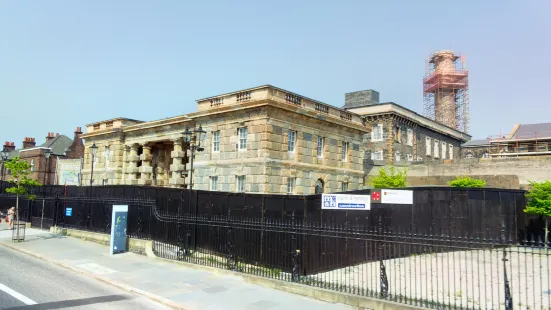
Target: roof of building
x,y
13,154
116,119
58,145
532,131
475,143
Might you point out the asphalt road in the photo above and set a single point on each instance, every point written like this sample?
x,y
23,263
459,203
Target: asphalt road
x,y
30,283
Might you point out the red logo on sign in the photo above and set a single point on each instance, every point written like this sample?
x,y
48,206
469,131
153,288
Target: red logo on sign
x,y
376,196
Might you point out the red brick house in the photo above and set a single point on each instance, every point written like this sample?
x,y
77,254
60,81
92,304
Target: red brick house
x,y
43,168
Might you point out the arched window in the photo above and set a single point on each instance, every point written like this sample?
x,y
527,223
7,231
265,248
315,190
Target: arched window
x,y
469,155
319,186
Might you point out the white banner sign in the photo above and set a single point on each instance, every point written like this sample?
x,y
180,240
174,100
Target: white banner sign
x,y
403,197
345,202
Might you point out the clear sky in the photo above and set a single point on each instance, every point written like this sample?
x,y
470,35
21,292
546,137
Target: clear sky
x,y
67,63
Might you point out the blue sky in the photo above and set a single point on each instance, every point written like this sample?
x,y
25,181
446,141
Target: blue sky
x,y
65,64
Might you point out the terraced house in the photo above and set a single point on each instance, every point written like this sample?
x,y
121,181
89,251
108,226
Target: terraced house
x,y
263,139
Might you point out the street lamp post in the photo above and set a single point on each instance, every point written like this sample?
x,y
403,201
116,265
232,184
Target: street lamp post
x,y
93,150
47,154
194,138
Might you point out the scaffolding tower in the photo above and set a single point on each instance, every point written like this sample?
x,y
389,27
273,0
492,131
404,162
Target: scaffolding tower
x,y
446,90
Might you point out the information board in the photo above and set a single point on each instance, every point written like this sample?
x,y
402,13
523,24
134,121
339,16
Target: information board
x,y
345,202
118,229
394,196
68,211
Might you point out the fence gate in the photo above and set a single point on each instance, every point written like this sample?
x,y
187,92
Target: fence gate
x,y
42,213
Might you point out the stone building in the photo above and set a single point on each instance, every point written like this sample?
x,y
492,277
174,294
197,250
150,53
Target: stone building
x,y
523,140
476,149
399,135
44,169
265,140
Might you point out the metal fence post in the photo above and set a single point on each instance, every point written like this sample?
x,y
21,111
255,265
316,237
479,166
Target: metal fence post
x,y
231,259
508,297
42,218
384,278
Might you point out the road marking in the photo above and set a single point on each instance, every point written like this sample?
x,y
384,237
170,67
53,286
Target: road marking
x,y
27,301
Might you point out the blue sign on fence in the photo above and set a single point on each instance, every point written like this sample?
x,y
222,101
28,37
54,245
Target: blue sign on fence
x,y
118,229
68,211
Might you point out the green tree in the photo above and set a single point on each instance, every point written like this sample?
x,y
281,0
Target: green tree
x,y
389,178
467,182
539,202
20,171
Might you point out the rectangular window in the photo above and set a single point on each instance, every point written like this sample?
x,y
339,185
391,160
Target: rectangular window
x,y
410,157
410,137
216,141
242,133
398,156
32,165
377,133
344,151
451,151
107,156
444,150
397,134
321,141
427,145
344,186
436,149
378,155
214,183
291,141
240,184
291,185
105,182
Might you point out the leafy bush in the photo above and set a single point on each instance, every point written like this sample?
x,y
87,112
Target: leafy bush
x,y
539,202
389,178
467,182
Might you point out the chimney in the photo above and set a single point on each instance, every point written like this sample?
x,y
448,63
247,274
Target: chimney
x,y
78,131
361,98
28,143
50,136
10,146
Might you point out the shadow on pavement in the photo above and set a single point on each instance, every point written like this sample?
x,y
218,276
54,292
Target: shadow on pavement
x,y
43,237
74,302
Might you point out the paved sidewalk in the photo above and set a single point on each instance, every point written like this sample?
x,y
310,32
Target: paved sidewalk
x,y
187,287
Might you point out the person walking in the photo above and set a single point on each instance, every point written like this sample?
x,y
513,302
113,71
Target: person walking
x,y
11,215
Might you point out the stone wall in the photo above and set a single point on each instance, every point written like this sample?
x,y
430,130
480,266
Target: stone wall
x,y
536,168
493,181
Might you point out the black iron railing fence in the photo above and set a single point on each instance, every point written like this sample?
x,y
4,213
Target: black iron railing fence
x,y
451,249
473,271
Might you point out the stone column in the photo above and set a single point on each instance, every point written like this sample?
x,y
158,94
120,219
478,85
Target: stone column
x,y
177,166
161,168
132,167
146,170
